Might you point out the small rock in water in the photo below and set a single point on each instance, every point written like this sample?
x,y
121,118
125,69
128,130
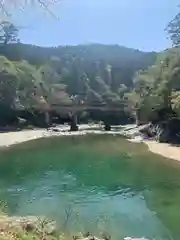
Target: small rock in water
x,y
87,236
55,130
106,237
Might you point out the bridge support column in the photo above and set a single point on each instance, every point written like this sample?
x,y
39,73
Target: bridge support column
x,y
73,125
47,119
107,127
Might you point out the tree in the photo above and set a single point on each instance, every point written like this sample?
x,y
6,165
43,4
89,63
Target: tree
x,y
5,6
158,87
8,33
122,90
54,75
173,29
52,86
29,84
8,83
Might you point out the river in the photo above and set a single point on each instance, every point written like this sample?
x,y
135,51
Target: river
x,y
98,183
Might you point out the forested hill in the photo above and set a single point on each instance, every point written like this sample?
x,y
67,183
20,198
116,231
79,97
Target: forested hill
x,y
95,72
118,56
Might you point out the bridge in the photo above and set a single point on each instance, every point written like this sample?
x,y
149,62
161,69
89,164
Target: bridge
x,y
74,108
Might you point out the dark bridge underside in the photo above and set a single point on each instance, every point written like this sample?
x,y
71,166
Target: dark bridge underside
x,y
87,107
103,108
44,116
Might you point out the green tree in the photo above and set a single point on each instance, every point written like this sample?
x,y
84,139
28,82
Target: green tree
x,y
173,29
158,86
8,33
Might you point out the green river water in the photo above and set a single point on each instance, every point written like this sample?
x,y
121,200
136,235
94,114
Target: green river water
x,y
98,183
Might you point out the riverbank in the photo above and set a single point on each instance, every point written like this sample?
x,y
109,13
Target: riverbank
x,y
164,149
38,228
133,133
130,131
11,138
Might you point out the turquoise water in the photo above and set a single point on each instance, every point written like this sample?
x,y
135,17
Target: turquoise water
x,y
97,183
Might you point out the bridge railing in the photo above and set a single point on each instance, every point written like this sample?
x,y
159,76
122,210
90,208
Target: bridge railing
x,y
123,103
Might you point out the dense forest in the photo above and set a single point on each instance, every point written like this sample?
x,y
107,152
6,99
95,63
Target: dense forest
x,y
34,77
93,72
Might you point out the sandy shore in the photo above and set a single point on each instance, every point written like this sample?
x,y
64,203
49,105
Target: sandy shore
x,y
11,138
132,132
164,149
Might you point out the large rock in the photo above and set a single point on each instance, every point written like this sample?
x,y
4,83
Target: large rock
x,y
73,127
160,132
29,224
90,236
107,127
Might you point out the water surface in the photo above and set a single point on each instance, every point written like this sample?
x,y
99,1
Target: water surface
x,y
93,183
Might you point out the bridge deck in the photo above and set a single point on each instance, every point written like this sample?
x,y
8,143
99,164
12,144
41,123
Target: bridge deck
x,y
83,107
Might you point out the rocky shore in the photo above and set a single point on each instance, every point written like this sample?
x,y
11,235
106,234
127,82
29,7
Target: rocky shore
x,y
29,227
41,228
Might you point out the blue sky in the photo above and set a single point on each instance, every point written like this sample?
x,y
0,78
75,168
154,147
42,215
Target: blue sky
x,y
133,23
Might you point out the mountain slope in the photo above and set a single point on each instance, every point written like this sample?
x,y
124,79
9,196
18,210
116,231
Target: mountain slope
x,y
97,70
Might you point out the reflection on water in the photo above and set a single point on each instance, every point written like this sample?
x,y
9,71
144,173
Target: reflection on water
x,y
103,182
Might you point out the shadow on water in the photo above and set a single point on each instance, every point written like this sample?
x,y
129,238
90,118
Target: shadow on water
x,y
109,183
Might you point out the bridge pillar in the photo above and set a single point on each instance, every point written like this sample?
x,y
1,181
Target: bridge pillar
x,y
47,118
107,127
73,125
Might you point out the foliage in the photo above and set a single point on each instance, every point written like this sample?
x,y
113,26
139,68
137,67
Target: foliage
x,y
23,85
92,73
173,29
7,7
32,76
158,86
8,33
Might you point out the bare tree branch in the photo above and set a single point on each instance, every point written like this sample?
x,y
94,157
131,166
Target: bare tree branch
x,y
6,4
